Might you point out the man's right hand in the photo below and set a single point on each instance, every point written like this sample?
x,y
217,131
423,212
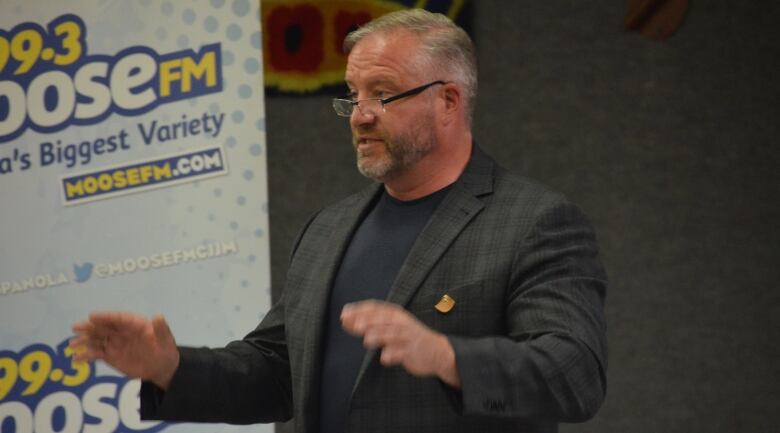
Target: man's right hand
x,y
132,344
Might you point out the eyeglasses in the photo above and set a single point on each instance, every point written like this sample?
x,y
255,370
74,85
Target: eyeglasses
x,y
345,106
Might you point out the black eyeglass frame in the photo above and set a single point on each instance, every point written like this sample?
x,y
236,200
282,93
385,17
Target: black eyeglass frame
x,y
383,102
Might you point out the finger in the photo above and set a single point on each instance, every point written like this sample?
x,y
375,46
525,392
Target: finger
x,y
87,335
86,355
87,350
90,340
357,310
77,342
78,345
374,338
350,314
390,357
108,322
82,326
368,307
384,335
93,334
358,317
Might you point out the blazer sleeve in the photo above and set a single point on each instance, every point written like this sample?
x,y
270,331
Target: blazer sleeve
x,y
552,363
247,381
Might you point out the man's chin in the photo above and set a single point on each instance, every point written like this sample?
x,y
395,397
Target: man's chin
x,y
379,171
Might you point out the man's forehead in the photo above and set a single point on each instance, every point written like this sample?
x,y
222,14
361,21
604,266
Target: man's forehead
x,y
382,56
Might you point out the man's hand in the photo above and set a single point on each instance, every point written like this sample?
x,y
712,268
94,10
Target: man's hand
x,y
133,344
403,340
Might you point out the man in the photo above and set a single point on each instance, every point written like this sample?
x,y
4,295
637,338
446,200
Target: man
x,y
492,311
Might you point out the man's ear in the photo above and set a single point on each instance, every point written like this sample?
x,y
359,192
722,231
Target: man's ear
x,y
452,102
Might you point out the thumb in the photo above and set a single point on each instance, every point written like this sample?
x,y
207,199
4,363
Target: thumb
x,y
168,359
162,331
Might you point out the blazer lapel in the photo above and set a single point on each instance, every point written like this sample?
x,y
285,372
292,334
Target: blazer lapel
x,y
460,206
449,219
345,220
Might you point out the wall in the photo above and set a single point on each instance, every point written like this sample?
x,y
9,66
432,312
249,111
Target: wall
x,y
669,147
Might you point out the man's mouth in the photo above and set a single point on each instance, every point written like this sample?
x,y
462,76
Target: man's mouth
x,y
368,141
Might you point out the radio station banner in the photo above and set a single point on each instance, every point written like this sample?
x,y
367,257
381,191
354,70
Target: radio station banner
x,y
132,177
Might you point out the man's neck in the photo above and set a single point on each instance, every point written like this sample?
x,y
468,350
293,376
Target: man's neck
x,y
432,173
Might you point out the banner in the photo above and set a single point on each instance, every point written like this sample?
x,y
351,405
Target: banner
x,y
132,177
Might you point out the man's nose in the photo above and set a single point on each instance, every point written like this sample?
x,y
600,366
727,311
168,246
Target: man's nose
x,y
361,116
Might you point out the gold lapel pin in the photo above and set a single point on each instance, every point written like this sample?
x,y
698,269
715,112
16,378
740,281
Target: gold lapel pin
x,y
445,304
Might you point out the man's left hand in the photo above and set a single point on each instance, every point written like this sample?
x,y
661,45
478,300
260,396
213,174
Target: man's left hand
x,y
402,339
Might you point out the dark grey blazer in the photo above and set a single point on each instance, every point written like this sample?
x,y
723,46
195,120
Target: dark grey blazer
x,y
527,327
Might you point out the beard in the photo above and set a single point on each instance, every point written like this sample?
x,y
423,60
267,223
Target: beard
x,y
398,152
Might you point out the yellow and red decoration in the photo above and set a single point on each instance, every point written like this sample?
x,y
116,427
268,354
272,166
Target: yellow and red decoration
x,y
302,39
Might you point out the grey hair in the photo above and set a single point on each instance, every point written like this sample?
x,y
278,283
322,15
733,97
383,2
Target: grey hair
x,y
446,47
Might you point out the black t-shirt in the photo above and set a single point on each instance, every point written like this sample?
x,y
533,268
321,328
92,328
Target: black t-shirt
x,y
368,269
